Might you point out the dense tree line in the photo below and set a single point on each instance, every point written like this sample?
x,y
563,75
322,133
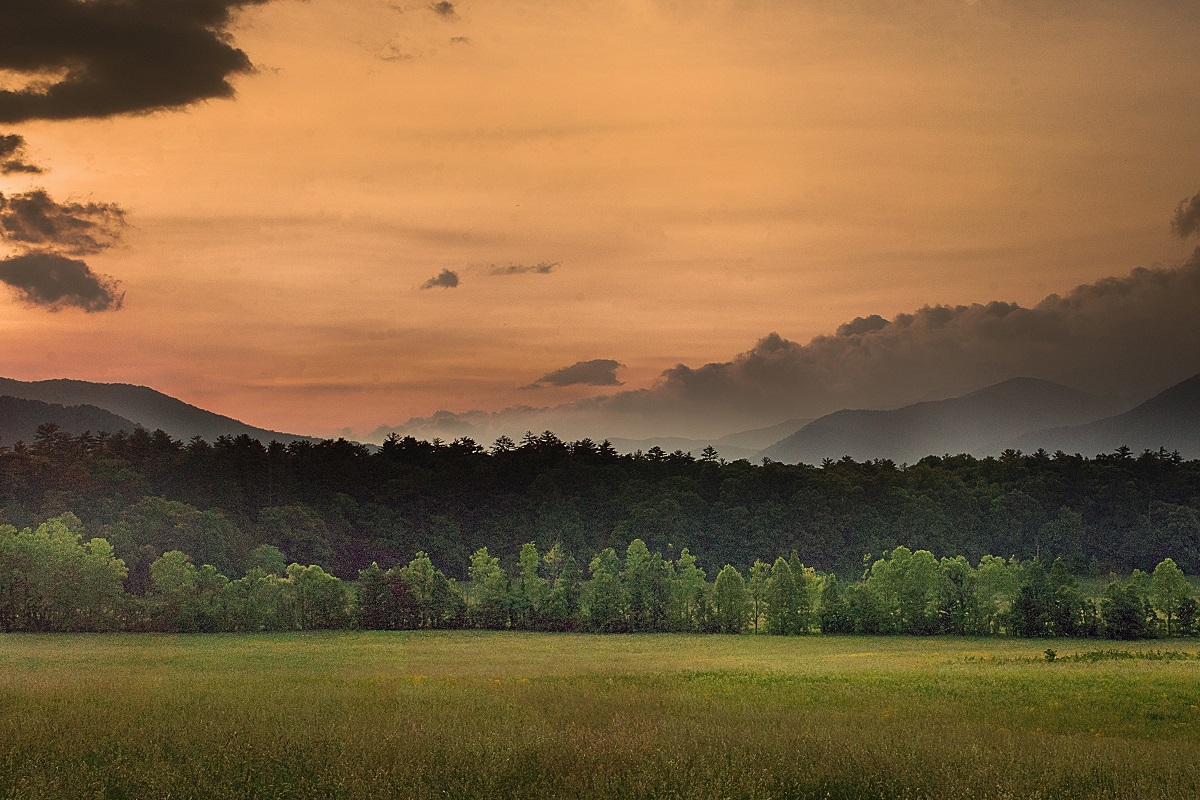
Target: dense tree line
x,y
343,506
51,579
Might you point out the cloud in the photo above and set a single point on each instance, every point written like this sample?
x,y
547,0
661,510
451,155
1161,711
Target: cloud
x,y
12,156
34,219
541,268
54,282
99,58
597,372
862,325
446,279
443,8
1116,335
1187,217
1127,336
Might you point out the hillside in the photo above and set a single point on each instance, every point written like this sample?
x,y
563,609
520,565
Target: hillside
x,y
731,447
141,405
1169,420
20,418
979,423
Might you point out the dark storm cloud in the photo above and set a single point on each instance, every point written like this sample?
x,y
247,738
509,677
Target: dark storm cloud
x,y
862,325
54,282
541,268
443,8
1117,335
1128,336
1187,217
34,219
12,156
98,58
445,279
597,372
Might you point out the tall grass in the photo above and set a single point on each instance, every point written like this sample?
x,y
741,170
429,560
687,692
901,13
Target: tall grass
x,y
466,715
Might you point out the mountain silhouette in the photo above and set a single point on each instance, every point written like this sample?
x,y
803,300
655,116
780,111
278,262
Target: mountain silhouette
x,y
141,405
20,418
1169,420
979,423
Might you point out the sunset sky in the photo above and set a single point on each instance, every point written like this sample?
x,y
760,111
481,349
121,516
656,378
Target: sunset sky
x,y
477,205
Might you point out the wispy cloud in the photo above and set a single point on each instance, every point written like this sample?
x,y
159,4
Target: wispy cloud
x,y
541,268
34,219
13,158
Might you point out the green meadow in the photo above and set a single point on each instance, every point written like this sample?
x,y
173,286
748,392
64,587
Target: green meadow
x,y
466,715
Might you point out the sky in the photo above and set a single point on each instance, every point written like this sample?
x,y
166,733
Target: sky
x,y
345,217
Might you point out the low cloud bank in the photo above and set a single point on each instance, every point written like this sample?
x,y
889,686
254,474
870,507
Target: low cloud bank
x,y
1131,335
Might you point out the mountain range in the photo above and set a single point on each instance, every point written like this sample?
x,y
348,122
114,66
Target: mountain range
x,y
731,447
130,406
1022,413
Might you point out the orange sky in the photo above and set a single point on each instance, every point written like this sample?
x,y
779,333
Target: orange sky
x,y
701,173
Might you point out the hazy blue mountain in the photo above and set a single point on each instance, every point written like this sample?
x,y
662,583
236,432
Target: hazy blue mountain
x,y
980,423
144,406
731,447
670,444
757,439
20,418
1170,420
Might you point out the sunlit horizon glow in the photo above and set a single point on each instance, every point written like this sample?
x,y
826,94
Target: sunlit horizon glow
x,y
698,174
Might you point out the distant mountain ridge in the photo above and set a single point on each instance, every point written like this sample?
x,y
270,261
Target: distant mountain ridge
x,y
731,447
142,406
1169,420
980,423
20,418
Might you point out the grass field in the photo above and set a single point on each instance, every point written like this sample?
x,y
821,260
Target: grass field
x,y
373,715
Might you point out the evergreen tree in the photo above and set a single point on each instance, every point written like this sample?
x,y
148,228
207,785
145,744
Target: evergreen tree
x,y
605,598
731,601
760,572
782,600
835,614
489,591
645,588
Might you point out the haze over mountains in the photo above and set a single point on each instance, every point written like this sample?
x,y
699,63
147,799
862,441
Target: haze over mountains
x,y
982,422
1170,419
1021,413
732,446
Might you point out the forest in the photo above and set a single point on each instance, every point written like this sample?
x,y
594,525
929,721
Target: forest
x,y
142,532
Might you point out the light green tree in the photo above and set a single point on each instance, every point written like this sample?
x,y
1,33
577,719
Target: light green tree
x,y
1169,587
644,582
319,599
489,591
173,592
531,589
731,601
760,572
687,591
781,600
605,598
